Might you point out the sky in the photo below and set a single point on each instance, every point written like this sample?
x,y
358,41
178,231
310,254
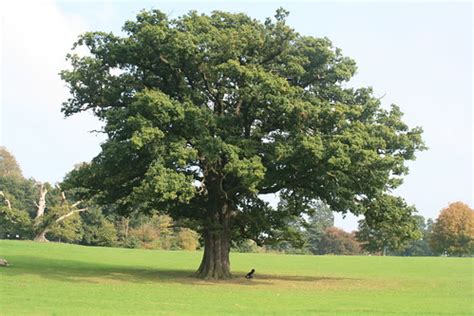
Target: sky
x,y
417,55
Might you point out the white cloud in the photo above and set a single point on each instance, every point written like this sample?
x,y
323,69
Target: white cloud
x,y
36,36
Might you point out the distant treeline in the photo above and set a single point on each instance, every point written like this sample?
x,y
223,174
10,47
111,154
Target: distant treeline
x,y
33,210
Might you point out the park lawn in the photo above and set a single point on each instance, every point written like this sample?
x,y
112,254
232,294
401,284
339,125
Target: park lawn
x,y
62,279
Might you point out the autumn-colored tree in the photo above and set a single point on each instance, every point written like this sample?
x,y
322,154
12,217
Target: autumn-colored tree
x,y
188,239
338,242
154,232
453,231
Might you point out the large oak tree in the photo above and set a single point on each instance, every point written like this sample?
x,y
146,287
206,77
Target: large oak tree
x,y
205,113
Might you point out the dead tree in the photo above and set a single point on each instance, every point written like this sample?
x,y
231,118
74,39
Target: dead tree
x,y
42,226
7,202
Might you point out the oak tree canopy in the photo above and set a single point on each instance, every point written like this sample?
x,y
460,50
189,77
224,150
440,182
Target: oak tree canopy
x,y
205,113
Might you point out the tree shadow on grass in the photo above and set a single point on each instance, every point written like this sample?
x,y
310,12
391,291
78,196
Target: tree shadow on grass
x,y
99,273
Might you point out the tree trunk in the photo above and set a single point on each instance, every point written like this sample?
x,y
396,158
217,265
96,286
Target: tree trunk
x,y
41,236
42,202
215,262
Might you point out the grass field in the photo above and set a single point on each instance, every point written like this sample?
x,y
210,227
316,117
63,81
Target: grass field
x,y
61,279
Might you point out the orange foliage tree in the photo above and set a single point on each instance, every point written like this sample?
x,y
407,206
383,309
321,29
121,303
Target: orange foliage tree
x,y
453,231
338,242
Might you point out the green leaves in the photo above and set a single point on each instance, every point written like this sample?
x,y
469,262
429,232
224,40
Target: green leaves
x,y
222,106
146,135
163,185
249,172
389,224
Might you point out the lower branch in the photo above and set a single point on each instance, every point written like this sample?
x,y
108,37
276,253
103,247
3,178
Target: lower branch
x,y
70,214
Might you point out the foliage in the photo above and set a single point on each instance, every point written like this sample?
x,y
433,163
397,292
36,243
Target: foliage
x,y
316,228
336,241
21,192
419,247
246,245
278,229
300,234
187,239
98,230
88,228
453,231
146,233
20,218
389,225
68,230
14,222
8,165
157,232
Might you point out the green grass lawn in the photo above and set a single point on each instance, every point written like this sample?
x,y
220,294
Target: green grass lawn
x,y
61,279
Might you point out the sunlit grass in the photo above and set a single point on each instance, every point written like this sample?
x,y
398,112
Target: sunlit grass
x,y
60,279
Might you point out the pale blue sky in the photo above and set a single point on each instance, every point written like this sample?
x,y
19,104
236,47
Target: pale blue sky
x,y
417,55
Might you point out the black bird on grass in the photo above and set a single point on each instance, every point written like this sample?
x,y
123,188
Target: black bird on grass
x,y
250,274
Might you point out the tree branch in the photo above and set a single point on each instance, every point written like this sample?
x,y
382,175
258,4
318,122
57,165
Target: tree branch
x,y
70,214
207,87
76,204
272,189
42,202
280,50
7,202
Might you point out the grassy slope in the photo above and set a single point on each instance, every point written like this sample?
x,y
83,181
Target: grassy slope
x,y
60,279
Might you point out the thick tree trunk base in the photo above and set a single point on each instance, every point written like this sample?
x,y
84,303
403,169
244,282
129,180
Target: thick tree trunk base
x,y
215,262
211,271
216,273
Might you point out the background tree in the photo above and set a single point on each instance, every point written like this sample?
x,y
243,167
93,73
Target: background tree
x,y
97,229
14,223
21,192
205,112
52,217
388,226
421,246
338,242
17,199
246,245
300,234
316,227
69,230
50,214
453,231
153,232
159,231
8,165
188,239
